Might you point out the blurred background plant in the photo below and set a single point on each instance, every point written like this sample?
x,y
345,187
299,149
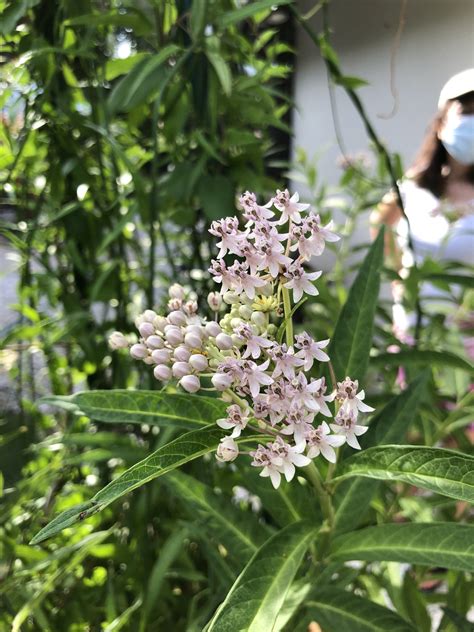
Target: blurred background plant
x,y
126,128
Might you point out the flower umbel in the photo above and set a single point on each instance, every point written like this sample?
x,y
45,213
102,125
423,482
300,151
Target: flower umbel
x,y
260,261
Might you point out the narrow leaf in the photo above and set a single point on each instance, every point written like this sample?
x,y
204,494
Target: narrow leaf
x,y
340,611
432,544
186,448
442,359
255,599
439,470
248,11
352,339
144,407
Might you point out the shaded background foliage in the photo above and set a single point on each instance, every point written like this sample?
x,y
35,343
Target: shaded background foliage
x,y
126,128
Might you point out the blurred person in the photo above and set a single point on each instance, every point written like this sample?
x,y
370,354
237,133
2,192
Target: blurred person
x,y
438,197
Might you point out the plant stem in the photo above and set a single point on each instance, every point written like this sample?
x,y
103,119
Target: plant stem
x,y
325,501
288,320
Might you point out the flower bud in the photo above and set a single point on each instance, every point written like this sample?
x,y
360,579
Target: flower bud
x,y
235,322
214,300
224,342
198,362
182,353
161,356
227,450
245,312
138,351
146,329
162,372
230,298
258,319
221,381
237,341
160,323
190,307
177,318
117,341
175,304
180,369
272,329
193,341
194,329
154,342
176,291
213,329
173,335
149,360
190,383
149,315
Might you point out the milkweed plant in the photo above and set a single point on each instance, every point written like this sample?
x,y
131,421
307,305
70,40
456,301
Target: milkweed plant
x,y
270,385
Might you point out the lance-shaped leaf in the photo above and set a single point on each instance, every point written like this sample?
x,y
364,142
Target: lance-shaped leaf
x,y
189,446
340,611
442,471
432,544
352,339
144,407
239,531
389,425
442,359
254,601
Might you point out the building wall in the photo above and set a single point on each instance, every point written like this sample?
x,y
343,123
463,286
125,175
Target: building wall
x,y
437,41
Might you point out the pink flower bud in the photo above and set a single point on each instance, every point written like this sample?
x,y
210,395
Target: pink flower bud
x,y
149,315
180,369
161,356
190,307
146,329
177,318
138,351
227,450
198,362
175,304
221,381
173,335
154,342
162,372
117,341
214,300
160,323
190,383
176,291
224,342
193,341
182,354
194,329
213,329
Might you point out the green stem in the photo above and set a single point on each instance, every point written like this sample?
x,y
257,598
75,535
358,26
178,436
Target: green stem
x,y
325,501
288,320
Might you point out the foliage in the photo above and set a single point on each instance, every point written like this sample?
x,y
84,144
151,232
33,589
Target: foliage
x,y
162,140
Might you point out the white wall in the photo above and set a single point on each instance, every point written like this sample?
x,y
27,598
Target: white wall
x,y
437,41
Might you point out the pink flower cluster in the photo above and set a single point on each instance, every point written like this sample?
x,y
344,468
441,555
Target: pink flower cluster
x,y
264,379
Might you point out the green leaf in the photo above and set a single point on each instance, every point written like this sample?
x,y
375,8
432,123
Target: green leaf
x,y
217,196
250,10
340,611
222,70
186,448
351,342
389,425
439,470
144,407
238,531
431,544
351,82
255,599
142,81
442,359
197,19
132,19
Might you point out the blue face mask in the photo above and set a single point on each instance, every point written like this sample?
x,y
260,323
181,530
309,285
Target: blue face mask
x,y
457,137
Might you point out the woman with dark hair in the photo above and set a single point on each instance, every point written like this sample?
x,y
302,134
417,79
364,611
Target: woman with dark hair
x,y
438,196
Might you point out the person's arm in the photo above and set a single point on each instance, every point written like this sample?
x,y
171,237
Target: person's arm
x,y
387,213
